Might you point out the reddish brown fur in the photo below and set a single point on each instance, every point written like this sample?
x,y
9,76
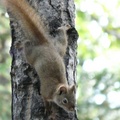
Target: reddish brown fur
x,y
29,22
47,56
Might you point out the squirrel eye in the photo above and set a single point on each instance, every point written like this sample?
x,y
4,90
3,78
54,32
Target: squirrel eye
x,y
65,101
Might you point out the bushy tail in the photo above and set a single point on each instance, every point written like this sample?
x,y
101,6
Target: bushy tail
x,y
28,18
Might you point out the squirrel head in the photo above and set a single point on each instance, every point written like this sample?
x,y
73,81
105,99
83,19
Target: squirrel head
x,y
65,97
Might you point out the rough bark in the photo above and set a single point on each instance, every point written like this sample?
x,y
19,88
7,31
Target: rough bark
x,y
27,103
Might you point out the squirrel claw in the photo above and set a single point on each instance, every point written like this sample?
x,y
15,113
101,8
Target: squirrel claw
x,y
66,27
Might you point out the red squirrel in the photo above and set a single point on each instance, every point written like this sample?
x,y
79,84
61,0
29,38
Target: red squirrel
x,y
45,53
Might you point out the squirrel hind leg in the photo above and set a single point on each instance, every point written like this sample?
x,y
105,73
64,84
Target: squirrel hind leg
x,y
62,35
64,28
61,42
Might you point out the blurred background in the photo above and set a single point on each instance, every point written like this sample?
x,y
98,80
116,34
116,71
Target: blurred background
x,y
98,70
5,66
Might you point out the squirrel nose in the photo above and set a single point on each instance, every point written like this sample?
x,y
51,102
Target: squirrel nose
x,y
72,108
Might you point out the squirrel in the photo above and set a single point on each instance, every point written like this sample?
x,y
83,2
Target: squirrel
x,y
45,53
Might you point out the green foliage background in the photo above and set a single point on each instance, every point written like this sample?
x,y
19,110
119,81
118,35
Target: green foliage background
x,y
98,70
5,61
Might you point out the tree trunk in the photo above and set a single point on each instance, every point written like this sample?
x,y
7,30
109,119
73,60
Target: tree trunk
x,y
27,103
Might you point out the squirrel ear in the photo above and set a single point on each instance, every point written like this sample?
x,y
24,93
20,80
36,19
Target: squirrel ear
x,y
73,88
62,90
